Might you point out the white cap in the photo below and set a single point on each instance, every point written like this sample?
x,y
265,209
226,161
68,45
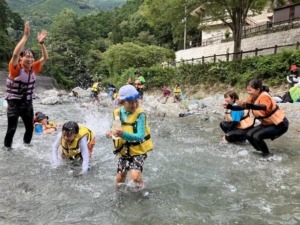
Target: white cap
x,y
128,93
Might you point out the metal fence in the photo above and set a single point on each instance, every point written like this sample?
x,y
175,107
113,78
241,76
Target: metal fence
x,y
228,56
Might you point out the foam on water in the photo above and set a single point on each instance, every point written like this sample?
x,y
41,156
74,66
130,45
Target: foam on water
x,y
190,176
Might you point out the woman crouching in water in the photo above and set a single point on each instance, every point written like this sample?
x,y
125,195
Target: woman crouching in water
x,y
264,108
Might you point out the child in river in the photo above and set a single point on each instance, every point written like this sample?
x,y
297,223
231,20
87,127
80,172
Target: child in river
x,y
134,137
77,142
237,122
42,126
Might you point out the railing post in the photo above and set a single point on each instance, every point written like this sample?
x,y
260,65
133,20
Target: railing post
x,y
297,45
241,55
192,61
227,57
215,58
275,49
202,59
256,51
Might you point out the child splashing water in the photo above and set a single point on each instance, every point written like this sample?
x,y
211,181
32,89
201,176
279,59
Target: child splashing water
x,y
135,140
77,142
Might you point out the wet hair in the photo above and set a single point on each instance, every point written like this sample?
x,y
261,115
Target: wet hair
x,y
37,113
70,127
26,51
231,94
257,84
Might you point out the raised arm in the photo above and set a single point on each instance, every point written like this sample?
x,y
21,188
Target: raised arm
x,y
20,45
41,37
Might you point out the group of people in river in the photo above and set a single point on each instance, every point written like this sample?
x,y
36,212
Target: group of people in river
x,y
133,140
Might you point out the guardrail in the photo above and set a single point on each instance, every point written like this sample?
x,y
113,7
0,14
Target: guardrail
x,y
228,56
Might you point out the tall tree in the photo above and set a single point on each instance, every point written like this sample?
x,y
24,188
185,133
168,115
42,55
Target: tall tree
x,y
67,63
11,26
4,15
233,13
169,19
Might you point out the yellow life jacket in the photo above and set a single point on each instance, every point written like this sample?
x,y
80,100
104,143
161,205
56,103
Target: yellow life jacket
x,y
177,90
115,95
95,87
126,148
52,124
276,115
245,122
73,151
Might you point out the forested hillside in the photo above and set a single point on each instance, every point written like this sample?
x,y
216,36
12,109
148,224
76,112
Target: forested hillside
x,y
52,6
85,43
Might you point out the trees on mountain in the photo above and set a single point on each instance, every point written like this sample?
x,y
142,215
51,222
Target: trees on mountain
x,y
170,19
11,26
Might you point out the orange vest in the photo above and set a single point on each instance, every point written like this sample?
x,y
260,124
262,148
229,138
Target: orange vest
x,y
246,120
276,115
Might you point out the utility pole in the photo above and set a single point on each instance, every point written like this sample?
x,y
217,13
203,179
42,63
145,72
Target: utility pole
x,y
184,33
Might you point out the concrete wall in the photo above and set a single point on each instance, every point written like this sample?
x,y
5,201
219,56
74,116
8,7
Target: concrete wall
x,y
263,41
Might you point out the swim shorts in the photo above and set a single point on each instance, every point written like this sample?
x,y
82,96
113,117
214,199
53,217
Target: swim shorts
x,y
126,163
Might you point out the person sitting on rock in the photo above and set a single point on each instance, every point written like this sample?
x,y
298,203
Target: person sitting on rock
x,y
177,93
166,94
293,76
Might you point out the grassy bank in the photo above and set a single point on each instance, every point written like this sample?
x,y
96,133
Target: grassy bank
x,y
202,79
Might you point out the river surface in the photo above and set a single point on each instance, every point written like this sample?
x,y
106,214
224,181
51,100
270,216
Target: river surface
x,y
191,178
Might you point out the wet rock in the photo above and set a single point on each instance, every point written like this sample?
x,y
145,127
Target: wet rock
x,y
51,101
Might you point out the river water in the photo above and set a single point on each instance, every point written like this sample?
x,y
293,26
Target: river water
x,y
191,177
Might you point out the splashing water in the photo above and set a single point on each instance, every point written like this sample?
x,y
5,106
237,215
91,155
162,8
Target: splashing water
x,y
190,177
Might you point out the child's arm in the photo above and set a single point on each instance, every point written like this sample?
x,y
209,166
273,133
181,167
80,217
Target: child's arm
x,y
48,129
55,146
139,135
83,144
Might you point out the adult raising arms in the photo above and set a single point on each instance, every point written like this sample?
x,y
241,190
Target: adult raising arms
x,y
20,86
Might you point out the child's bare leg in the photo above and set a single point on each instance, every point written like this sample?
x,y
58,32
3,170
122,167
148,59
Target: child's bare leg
x,y
166,100
120,179
136,179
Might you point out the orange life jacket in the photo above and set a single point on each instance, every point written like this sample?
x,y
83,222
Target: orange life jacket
x,y
245,122
275,116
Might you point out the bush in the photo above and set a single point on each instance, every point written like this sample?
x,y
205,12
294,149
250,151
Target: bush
x,y
271,68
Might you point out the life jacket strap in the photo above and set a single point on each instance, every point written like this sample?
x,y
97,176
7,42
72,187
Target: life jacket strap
x,y
130,144
268,115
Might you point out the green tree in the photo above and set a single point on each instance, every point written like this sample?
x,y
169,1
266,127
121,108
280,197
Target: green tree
x,y
233,13
123,56
11,26
168,19
67,64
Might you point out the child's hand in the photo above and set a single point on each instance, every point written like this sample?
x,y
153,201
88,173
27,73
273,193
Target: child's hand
x,y
118,132
108,134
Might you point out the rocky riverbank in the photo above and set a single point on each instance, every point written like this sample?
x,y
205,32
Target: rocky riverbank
x,y
199,103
